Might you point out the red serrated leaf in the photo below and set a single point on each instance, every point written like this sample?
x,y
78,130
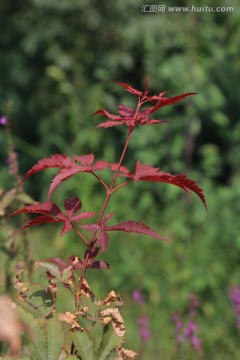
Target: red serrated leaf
x,y
107,124
168,101
129,88
46,208
108,115
135,227
143,170
125,111
40,220
101,165
52,213
102,240
61,176
152,121
92,227
180,180
85,160
55,161
122,169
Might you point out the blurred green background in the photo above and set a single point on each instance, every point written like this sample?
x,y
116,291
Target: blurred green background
x,y
58,58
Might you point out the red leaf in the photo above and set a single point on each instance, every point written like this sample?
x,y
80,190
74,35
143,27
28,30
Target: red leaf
x,y
46,208
72,206
85,160
122,169
55,161
101,165
129,88
101,264
52,213
75,262
61,176
108,115
143,170
180,180
125,111
136,227
93,227
83,215
107,124
102,240
40,220
168,101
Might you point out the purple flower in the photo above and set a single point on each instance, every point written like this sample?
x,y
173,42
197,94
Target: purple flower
x,y
3,120
195,341
188,332
143,322
138,297
234,294
190,329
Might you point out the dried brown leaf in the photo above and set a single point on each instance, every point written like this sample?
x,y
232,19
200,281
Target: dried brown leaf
x,y
71,319
125,354
111,297
117,320
85,289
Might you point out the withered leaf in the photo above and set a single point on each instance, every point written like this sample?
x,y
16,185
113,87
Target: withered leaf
x,y
111,297
125,354
71,319
116,320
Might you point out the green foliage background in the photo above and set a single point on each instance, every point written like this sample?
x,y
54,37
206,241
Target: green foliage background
x,y
58,58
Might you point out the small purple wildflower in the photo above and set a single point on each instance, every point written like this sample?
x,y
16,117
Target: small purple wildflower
x,y
189,332
3,120
138,297
143,322
196,343
234,294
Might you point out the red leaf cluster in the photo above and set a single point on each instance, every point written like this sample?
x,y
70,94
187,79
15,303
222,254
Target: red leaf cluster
x,y
68,167
148,173
50,212
127,226
131,118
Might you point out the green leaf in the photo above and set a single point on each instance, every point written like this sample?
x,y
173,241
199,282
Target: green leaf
x,y
112,356
93,308
97,335
83,343
53,269
55,338
37,300
67,273
110,342
38,339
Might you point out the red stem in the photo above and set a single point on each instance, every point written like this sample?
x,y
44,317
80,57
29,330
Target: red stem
x,y
109,192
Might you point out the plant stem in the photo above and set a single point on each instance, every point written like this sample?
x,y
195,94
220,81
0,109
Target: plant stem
x,y
109,192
